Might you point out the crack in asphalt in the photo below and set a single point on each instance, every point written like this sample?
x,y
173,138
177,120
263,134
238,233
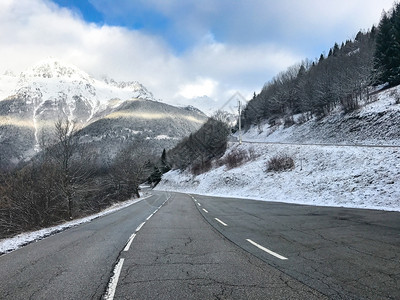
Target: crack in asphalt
x,y
211,281
339,284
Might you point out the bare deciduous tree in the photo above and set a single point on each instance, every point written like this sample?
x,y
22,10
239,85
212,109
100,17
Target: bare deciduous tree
x,y
131,167
74,167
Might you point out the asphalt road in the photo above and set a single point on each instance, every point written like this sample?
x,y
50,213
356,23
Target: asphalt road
x,y
177,246
74,264
342,253
178,255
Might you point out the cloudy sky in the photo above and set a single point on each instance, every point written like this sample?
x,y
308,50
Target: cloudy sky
x,y
180,49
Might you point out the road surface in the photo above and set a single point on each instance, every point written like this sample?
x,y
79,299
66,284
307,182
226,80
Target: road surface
x,y
343,253
178,255
178,246
74,264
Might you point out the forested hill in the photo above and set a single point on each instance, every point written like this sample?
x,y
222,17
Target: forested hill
x,y
351,72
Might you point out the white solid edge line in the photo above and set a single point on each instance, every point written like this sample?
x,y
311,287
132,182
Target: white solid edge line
x,y
221,222
205,210
128,245
139,227
267,250
148,218
112,286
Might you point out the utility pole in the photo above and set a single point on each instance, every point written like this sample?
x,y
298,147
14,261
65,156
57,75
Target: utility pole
x,y
240,124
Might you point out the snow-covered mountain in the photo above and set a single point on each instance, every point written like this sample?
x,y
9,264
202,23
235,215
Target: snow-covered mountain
x,y
52,83
33,101
52,76
209,106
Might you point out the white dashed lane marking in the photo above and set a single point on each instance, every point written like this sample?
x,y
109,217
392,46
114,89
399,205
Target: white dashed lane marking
x,y
112,286
128,245
266,250
139,227
218,220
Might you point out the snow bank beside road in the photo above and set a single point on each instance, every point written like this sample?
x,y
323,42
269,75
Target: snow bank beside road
x,y
358,177
11,244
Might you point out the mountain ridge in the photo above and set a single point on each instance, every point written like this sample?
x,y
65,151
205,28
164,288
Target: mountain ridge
x,y
52,90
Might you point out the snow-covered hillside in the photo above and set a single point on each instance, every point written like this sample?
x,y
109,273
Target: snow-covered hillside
x,y
330,176
376,123
348,176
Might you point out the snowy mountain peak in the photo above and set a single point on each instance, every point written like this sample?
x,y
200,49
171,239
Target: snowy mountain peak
x,y
54,68
51,76
133,86
9,73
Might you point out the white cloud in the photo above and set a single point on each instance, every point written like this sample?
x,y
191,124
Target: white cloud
x,y
31,30
242,21
201,87
234,47
236,67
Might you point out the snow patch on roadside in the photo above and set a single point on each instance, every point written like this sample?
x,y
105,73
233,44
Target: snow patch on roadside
x,y
16,242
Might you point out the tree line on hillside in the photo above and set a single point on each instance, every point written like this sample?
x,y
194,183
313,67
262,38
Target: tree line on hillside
x,y
196,152
200,148
346,75
65,181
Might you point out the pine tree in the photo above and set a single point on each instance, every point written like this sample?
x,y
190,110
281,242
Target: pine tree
x,y
387,53
382,42
373,32
394,78
164,164
335,50
393,59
